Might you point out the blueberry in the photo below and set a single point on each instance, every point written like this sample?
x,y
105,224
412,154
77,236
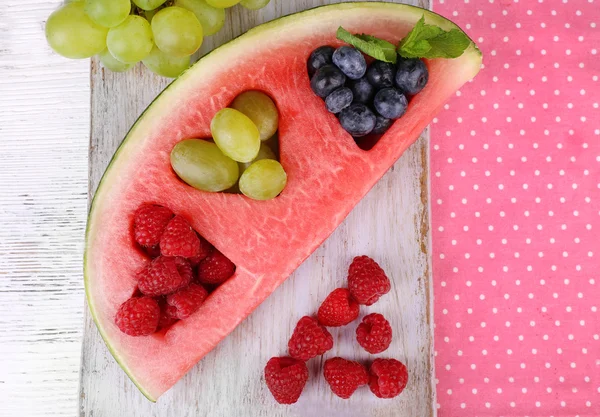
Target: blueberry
x,y
382,124
390,103
381,74
326,79
350,61
339,99
362,90
411,75
357,120
318,58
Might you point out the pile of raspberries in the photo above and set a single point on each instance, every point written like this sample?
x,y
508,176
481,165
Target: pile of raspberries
x,y
183,270
387,378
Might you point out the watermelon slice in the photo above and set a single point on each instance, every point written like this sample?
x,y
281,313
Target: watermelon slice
x,y
267,240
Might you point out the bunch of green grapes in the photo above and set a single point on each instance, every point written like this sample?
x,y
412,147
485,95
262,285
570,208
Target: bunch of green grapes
x,y
163,34
242,156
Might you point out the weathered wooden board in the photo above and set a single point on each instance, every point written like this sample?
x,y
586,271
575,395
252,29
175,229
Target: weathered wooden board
x,y
391,224
44,124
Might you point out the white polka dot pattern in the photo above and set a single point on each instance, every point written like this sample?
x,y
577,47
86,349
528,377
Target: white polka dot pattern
x,y
515,162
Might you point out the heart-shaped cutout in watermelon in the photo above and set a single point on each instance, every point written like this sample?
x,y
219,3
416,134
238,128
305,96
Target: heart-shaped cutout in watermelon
x,y
266,240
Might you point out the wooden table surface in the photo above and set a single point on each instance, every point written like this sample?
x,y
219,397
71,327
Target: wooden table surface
x,y
44,137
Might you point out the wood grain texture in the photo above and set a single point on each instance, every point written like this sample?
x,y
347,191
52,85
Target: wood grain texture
x,y
44,130
391,224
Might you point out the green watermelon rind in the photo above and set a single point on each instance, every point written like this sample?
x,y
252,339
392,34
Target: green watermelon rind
x,y
430,17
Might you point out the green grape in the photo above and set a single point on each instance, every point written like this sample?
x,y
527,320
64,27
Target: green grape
x,y
108,13
263,180
222,4
264,152
112,63
148,4
72,34
260,109
211,18
177,31
235,134
166,65
254,4
202,165
131,41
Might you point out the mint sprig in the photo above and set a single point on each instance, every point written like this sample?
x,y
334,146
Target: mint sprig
x,y
423,41
370,45
429,41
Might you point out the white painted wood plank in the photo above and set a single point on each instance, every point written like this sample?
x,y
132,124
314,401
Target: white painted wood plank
x,y
44,136
391,224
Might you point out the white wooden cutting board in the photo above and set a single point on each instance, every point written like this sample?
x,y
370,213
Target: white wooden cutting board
x,y
391,224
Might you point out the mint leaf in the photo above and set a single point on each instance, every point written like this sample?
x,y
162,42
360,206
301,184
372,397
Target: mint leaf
x,y
450,44
419,33
388,48
430,41
370,45
416,50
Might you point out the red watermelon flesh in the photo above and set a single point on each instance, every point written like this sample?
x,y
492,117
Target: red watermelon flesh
x,y
267,240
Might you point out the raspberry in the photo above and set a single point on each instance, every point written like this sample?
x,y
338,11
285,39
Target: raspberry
x,y
216,268
163,276
167,319
338,309
367,281
374,333
186,301
285,378
138,316
388,377
149,221
205,249
179,239
344,376
185,269
309,339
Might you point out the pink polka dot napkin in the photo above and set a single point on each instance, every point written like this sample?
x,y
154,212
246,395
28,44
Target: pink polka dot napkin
x,y
515,164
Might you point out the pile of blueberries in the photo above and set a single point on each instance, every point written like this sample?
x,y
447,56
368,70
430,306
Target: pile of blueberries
x,y
366,98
